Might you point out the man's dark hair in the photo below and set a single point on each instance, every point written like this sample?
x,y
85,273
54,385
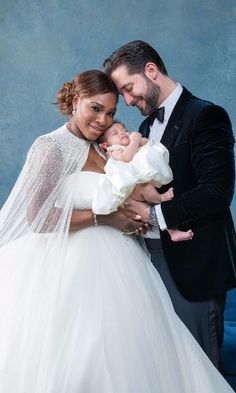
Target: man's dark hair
x,y
135,55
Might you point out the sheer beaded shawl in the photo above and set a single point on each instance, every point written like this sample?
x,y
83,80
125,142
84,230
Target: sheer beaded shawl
x,y
34,231
31,206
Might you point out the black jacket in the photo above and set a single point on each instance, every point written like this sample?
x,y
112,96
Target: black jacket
x,y
200,142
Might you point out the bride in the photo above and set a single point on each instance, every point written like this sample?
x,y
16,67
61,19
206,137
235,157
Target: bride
x,y
82,309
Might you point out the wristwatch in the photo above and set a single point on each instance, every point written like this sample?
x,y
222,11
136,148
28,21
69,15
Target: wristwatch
x,y
153,217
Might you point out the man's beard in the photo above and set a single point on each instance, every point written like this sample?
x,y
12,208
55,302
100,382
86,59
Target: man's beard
x,y
151,98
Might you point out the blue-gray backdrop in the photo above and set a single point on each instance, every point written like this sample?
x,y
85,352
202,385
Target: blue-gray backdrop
x,y
45,42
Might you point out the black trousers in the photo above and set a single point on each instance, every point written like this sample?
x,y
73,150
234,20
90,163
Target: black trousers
x,y
204,319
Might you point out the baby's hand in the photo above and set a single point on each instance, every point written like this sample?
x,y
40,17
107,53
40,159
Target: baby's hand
x,y
143,141
135,136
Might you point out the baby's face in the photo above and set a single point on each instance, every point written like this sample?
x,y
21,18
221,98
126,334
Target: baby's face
x,y
117,134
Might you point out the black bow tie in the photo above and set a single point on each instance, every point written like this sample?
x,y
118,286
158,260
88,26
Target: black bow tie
x,y
158,114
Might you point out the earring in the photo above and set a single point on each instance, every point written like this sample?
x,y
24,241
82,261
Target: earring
x,y
74,111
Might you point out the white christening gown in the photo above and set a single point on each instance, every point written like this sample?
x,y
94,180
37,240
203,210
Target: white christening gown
x,y
111,327
149,164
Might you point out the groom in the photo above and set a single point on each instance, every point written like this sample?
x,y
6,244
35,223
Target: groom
x,y
198,135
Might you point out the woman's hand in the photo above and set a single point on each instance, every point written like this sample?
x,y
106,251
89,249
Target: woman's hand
x,y
123,220
136,208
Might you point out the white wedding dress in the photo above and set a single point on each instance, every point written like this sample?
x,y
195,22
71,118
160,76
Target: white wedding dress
x,y
111,327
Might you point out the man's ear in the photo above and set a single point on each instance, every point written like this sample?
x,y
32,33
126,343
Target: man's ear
x,y
151,70
103,147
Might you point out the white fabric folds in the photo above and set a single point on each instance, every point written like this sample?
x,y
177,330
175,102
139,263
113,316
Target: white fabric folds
x,y
150,164
84,311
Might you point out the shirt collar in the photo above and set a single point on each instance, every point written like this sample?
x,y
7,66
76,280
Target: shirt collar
x,y
171,101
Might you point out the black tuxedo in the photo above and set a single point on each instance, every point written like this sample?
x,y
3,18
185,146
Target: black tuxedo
x,y
200,142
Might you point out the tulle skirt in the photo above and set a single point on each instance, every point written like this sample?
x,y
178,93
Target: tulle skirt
x,y
101,321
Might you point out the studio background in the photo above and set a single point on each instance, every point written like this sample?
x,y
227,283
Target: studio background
x,y
44,43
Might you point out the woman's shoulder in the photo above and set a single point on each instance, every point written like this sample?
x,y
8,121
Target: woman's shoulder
x,y
59,139
48,141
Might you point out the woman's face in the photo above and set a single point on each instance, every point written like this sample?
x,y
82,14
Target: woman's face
x,y
95,114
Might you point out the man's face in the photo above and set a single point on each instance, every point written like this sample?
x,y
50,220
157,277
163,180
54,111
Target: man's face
x,y
137,89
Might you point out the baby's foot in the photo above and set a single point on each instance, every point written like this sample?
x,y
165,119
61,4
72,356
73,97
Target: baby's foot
x,y
179,236
168,195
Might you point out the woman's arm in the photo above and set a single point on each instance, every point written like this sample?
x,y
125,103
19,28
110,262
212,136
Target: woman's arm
x,y
81,219
121,220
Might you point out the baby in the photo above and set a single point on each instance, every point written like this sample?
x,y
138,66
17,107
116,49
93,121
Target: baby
x,y
135,165
118,143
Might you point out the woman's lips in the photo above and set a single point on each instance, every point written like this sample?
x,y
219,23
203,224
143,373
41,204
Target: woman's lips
x,y
96,130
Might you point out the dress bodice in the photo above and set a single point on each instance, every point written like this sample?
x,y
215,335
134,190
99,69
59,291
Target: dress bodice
x,y
83,185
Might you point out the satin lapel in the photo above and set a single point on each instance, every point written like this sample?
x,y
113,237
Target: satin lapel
x,y
145,127
173,127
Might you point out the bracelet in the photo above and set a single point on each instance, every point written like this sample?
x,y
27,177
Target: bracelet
x,y
95,221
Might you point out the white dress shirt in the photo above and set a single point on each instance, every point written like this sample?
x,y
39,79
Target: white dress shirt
x,y
156,132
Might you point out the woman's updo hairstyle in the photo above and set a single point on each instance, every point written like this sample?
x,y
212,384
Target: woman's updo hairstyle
x,y
86,84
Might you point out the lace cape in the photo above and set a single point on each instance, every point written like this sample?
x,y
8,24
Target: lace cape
x,y
33,258
31,206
